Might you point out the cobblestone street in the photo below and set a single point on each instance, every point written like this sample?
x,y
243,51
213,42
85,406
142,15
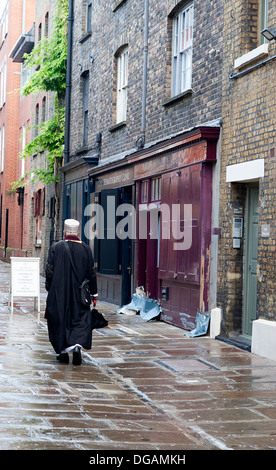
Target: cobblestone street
x,y
143,386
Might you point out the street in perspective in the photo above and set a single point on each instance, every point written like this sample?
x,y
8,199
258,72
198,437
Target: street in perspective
x,y
142,386
137,230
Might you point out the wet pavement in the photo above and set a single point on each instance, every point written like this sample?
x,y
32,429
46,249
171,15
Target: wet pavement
x,y
143,386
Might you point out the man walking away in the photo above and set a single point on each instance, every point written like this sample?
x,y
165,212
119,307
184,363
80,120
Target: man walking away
x,y
69,323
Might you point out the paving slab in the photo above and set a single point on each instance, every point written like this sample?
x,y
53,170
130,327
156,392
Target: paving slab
x,y
143,386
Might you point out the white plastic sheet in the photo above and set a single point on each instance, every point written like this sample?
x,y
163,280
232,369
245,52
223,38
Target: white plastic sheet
x,y
146,307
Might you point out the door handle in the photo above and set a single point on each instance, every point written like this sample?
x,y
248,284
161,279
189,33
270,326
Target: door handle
x,y
250,267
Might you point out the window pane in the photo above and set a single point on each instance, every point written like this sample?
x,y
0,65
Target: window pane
x,y
122,81
125,69
144,191
156,189
73,214
182,51
175,40
89,16
85,108
79,205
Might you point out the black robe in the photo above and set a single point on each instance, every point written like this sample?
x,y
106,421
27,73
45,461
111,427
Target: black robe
x,y
68,322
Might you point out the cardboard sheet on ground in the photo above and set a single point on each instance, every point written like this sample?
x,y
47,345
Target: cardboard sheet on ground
x,y
146,307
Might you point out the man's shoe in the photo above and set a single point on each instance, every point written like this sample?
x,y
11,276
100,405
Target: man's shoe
x,y
77,356
63,357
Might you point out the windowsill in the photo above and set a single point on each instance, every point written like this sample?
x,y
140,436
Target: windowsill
x,y
175,99
85,37
252,56
117,4
82,150
118,126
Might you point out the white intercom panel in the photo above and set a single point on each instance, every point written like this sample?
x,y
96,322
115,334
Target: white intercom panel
x,y
237,227
237,231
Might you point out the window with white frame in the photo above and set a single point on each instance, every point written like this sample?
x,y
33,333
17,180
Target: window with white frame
x,y
122,82
182,50
25,76
23,147
4,23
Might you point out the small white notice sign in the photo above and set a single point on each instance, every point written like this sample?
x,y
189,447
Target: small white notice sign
x,y
25,279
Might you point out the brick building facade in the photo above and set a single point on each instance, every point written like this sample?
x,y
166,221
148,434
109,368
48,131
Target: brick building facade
x,y
145,113
27,214
15,116
246,263
166,104
42,197
41,221
95,52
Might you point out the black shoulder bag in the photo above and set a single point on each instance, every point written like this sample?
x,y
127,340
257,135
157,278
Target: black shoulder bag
x,y
85,298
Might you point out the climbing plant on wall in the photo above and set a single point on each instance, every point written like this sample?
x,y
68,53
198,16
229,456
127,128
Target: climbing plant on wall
x,y
47,61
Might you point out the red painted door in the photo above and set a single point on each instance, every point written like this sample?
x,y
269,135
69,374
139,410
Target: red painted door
x,y
182,271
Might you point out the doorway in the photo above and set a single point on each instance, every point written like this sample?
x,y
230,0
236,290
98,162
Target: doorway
x,y
250,262
126,253
112,250
148,246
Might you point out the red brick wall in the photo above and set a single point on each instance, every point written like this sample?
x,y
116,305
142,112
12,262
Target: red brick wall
x,y
13,115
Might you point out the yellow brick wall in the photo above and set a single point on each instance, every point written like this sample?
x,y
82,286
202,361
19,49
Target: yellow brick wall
x,y
248,133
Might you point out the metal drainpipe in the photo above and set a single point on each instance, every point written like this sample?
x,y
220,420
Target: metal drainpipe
x,y
145,68
68,98
68,82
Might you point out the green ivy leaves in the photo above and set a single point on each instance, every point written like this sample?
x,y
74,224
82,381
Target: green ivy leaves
x,y
48,63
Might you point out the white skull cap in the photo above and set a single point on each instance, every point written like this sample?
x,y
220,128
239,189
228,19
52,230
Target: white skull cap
x,y
71,227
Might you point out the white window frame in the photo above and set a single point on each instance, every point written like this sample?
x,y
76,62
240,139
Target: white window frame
x,y
25,75
6,20
182,50
23,147
122,84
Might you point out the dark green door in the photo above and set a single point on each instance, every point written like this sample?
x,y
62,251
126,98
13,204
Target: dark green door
x,y
251,254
